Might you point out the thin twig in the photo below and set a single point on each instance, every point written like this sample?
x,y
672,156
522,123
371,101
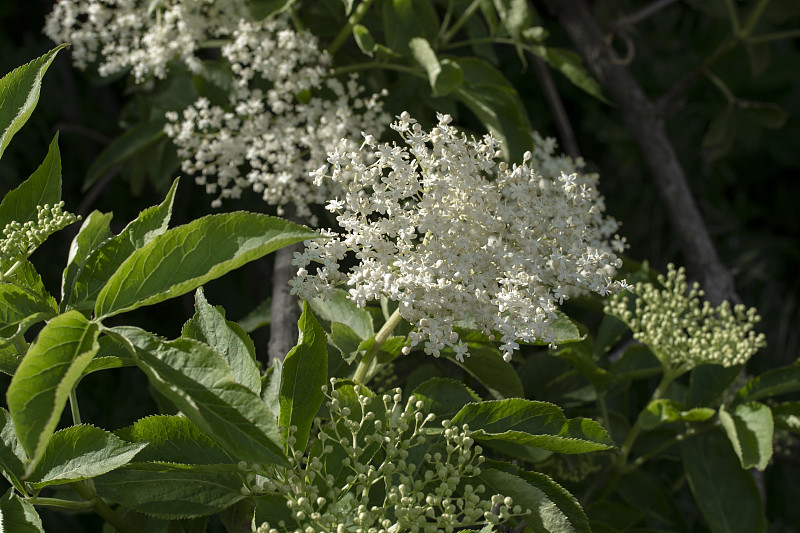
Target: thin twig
x,y
642,14
565,131
284,308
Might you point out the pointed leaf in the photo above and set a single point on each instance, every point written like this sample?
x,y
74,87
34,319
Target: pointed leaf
x,y
346,340
663,411
709,382
171,494
43,187
364,39
102,263
720,135
486,364
258,318
261,9
538,424
123,148
45,377
185,257
750,429
228,338
569,64
174,439
81,452
18,516
443,77
552,507
305,371
200,383
637,362
21,308
271,388
766,114
787,416
19,94
726,494
495,101
405,19
444,397
9,359
340,308
12,455
781,380
94,231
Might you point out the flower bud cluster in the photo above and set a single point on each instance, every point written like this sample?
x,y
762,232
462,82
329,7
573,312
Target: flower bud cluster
x,y
449,233
376,446
19,240
270,139
683,331
141,35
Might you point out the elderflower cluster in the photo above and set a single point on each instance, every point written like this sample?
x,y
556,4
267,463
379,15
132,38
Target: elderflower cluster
x,y
141,35
370,447
684,332
19,240
270,139
450,234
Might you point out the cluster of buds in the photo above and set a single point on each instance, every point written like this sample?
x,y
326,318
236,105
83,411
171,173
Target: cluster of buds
x,y
20,240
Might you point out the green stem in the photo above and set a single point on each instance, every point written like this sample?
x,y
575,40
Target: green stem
x,y
719,84
777,36
666,379
601,404
364,370
752,20
461,21
345,32
63,504
11,270
102,508
642,459
376,64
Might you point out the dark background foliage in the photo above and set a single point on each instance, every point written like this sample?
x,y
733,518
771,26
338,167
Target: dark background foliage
x,y
745,177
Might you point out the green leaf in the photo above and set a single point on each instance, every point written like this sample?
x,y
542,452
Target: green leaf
x,y
515,17
364,39
42,187
19,94
340,308
552,507
663,411
485,363
787,416
765,114
21,308
258,318
405,19
346,340
94,231
45,377
444,77
726,494
538,424
125,147
9,359
200,383
580,356
720,134
101,264
174,439
569,64
81,452
183,258
444,397
495,101
228,338
171,494
709,382
640,491
271,388
18,516
305,371
637,362
610,331
272,508
617,516
777,381
12,455
261,9
750,428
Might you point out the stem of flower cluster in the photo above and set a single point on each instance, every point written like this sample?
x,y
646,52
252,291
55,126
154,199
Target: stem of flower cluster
x,y
102,508
354,19
364,370
461,21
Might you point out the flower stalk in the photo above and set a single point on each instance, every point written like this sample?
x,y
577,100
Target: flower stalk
x,y
366,368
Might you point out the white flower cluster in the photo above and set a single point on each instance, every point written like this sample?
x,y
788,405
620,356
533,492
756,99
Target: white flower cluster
x,y
20,240
684,332
450,234
141,35
372,442
271,139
